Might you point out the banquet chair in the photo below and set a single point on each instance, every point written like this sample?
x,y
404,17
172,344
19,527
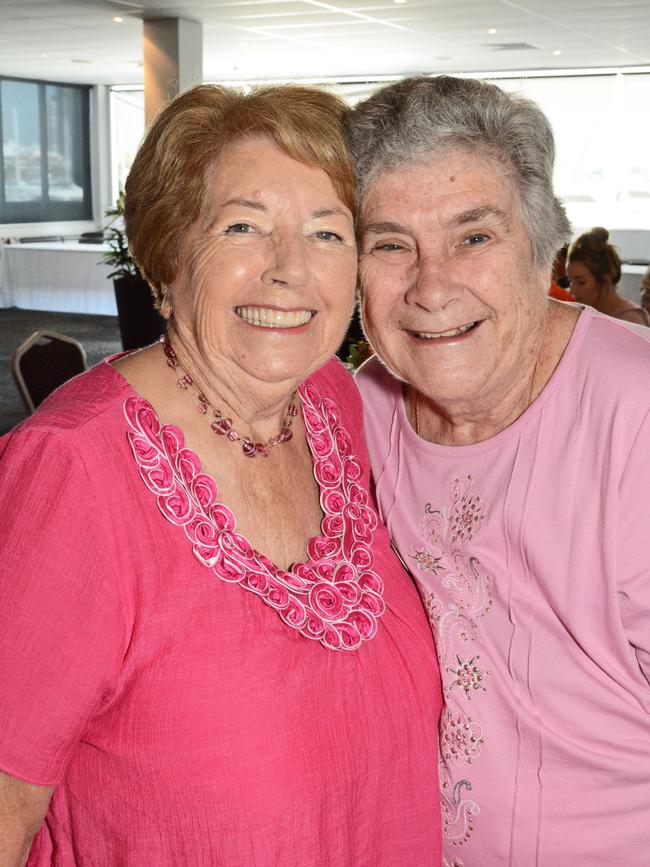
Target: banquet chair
x,y
43,362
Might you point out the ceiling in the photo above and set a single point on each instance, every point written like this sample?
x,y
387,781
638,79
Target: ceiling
x,y
78,41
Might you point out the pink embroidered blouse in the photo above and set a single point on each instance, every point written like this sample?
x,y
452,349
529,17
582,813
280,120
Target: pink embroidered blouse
x,y
193,703
532,553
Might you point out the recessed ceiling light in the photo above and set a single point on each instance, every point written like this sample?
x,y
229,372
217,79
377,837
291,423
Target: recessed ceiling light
x,y
399,2
557,52
492,31
118,19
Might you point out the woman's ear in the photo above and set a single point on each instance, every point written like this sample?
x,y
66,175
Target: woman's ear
x,y
166,303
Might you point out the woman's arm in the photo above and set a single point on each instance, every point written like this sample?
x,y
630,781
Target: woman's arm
x,y
22,809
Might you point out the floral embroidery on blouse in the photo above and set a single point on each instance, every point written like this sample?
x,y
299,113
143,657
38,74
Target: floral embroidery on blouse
x,y
461,738
335,597
454,862
461,597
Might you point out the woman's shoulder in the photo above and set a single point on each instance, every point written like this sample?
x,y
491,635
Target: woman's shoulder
x,y
613,359
634,313
377,385
86,408
629,339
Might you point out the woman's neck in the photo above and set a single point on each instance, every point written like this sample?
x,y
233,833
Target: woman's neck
x,y
612,303
257,410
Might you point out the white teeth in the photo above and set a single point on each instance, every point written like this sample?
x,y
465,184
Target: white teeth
x,y
435,335
265,317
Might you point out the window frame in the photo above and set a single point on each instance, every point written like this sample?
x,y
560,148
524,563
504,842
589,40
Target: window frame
x,y
45,210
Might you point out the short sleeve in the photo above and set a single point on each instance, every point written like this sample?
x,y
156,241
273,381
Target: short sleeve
x,y
634,547
62,630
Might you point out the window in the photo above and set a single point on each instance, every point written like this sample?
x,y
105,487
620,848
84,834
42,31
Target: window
x,y
44,152
600,122
127,129
601,133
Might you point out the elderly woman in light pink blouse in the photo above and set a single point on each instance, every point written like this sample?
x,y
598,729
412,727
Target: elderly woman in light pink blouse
x,y
509,437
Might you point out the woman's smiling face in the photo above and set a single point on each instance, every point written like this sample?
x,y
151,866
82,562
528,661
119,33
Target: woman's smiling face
x,y
268,273
451,296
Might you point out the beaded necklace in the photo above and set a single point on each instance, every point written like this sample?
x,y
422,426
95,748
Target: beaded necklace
x,y
223,426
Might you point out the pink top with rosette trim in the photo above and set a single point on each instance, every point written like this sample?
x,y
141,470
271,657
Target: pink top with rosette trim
x,y
177,688
335,597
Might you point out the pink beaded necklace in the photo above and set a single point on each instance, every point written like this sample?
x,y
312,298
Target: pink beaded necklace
x,y
223,426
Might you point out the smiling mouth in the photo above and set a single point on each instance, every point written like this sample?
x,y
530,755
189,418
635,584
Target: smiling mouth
x,y
454,332
267,317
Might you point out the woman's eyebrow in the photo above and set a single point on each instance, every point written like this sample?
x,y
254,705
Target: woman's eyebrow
x,y
330,212
379,228
475,215
246,203
240,203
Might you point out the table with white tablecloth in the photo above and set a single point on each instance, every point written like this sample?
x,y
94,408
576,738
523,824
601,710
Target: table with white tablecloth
x,y
59,276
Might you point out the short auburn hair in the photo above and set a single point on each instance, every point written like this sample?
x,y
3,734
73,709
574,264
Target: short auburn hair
x,y
165,188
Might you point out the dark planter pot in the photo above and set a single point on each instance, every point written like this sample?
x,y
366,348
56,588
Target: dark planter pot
x,y
140,323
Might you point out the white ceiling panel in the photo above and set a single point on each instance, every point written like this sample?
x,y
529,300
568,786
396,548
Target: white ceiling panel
x,y
77,40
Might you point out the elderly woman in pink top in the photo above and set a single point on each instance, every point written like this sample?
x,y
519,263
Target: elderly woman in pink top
x,y
209,654
509,436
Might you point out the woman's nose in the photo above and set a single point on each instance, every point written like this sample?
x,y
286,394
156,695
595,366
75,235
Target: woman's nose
x,y
431,285
288,262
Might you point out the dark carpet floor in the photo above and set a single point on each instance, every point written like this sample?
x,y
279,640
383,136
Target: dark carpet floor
x,y
99,335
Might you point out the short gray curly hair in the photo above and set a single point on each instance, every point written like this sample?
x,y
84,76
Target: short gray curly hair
x,y
420,118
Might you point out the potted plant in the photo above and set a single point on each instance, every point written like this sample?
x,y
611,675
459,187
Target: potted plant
x,y
139,321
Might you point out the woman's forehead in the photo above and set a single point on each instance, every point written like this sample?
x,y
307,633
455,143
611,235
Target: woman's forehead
x,y
460,188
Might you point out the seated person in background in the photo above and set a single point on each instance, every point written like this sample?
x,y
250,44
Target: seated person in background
x,y
594,269
209,653
645,290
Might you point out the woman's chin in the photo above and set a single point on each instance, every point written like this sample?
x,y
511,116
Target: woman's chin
x,y
290,370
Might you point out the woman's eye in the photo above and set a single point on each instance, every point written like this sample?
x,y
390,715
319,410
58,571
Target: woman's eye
x,y
474,239
325,235
239,229
388,247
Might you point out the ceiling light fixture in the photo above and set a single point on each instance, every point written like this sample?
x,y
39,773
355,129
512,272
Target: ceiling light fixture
x,y
557,52
399,2
492,31
118,19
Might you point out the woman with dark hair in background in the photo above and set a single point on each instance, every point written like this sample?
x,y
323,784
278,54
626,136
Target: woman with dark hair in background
x,y
594,269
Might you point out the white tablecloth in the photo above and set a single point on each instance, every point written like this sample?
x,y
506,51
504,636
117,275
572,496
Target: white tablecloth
x,y
68,277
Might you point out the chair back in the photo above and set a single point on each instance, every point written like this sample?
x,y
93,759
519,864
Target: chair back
x,y
43,362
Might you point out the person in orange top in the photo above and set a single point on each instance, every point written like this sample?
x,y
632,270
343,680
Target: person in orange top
x,y
559,281
559,293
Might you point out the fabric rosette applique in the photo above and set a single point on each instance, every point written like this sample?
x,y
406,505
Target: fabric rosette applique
x,y
334,598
